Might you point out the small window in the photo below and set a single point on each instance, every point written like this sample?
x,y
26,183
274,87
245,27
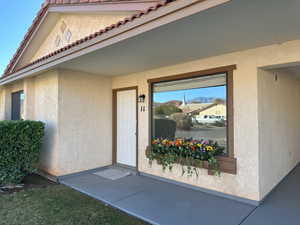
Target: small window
x,y
17,105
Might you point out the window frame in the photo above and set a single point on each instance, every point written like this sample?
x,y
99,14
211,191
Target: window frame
x,y
227,163
12,104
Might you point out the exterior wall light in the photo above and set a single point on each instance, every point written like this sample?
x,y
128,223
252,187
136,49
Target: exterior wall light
x,y
141,98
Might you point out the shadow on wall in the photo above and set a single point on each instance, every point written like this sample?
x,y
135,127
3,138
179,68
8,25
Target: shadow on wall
x,y
47,158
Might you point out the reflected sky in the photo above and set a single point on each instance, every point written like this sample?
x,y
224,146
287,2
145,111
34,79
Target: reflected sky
x,y
191,94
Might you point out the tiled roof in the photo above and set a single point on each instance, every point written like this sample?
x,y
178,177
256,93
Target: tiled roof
x,y
62,2
43,11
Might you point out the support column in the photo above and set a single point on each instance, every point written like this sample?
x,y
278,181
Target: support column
x,y
6,96
29,99
2,105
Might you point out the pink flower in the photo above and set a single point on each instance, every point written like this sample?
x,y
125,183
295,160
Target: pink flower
x,y
205,142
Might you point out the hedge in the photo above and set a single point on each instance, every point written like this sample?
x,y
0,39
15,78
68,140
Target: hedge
x,y
20,144
164,128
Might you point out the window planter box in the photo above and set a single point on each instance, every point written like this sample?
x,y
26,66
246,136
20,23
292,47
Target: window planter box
x,y
226,164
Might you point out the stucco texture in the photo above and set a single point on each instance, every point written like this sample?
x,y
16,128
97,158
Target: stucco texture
x,y
85,121
44,107
246,183
279,126
41,103
5,98
79,25
79,108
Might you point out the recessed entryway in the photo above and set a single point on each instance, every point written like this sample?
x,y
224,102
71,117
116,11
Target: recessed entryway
x,y
125,126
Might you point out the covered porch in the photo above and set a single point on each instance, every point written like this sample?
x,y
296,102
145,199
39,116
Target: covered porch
x,y
164,44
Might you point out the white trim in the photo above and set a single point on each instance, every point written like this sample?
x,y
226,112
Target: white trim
x,y
29,41
103,7
164,15
86,8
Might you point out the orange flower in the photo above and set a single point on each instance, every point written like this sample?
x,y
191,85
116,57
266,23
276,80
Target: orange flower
x,y
154,142
178,142
193,148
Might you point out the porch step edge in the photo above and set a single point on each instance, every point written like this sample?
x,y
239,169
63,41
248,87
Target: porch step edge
x,y
63,177
48,176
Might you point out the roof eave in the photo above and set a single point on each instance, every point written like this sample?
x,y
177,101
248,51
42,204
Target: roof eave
x,y
104,6
164,15
52,6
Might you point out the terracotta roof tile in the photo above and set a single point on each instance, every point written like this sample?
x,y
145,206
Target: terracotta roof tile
x,y
58,2
42,12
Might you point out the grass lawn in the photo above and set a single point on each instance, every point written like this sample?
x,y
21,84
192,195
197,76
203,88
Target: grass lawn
x,y
58,205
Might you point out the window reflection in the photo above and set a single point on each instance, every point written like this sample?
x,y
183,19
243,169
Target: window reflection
x,y
193,109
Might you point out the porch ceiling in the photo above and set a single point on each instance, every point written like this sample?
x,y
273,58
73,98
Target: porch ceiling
x,y
237,25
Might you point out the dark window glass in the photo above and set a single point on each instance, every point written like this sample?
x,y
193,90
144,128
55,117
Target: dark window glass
x,y
17,105
191,109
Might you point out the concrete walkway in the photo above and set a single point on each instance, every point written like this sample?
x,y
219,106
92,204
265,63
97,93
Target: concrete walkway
x,y
162,203
282,206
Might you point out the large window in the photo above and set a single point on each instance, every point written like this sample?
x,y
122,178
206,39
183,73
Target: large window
x,y
17,105
196,108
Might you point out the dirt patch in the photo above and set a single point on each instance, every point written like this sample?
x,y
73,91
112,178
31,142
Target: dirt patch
x,y
30,182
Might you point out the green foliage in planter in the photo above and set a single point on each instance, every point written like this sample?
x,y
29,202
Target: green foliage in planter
x,y
20,144
190,154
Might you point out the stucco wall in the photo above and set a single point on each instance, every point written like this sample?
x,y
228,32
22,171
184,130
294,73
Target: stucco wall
x,y
245,183
246,137
44,98
5,98
77,110
2,104
85,121
279,126
80,26
41,104
87,124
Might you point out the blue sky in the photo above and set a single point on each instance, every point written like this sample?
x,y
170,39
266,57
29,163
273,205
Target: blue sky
x,y
15,19
211,92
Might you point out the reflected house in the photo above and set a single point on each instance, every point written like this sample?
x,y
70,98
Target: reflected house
x,y
191,107
215,112
206,113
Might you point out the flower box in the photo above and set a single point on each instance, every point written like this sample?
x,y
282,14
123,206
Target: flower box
x,y
191,155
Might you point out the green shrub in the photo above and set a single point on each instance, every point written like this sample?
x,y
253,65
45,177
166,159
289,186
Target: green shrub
x,y
165,128
20,144
183,121
166,109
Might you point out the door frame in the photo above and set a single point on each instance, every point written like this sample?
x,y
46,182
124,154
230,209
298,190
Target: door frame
x,y
115,123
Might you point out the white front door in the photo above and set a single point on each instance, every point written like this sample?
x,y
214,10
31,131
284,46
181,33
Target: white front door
x,y
126,127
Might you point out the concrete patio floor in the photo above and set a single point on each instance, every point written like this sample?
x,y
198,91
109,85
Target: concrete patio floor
x,y
163,203
282,206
